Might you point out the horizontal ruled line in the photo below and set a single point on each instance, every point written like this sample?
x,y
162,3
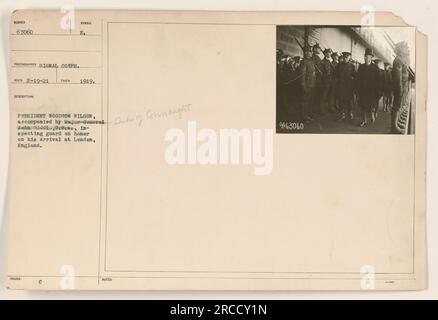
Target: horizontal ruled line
x,y
48,50
36,67
84,84
216,277
56,34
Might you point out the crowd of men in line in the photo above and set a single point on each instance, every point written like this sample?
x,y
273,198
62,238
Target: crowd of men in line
x,y
310,87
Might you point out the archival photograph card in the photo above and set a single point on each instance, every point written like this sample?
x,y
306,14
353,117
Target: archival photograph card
x,y
166,150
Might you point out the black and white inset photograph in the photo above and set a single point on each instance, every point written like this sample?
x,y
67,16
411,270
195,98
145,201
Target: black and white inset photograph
x,y
345,79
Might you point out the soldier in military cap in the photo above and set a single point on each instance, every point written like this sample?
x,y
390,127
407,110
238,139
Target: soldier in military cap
x,y
307,78
346,76
327,71
355,93
368,86
316,95
292,88
295,87
341,58
286,75
316,50
335,59
334,88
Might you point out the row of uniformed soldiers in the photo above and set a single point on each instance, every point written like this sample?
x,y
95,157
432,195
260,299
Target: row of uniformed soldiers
x,y
312,86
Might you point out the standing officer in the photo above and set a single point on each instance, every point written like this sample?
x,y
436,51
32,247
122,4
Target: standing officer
x,y
326,80
355,93
368,81
316,96
346,76
307,78
295,86
289,74
284,75
334,88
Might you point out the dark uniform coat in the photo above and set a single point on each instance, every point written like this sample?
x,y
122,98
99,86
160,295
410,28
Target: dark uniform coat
x,y
346,74
307,78
368,83
318,64
307,73
335,79
327,70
